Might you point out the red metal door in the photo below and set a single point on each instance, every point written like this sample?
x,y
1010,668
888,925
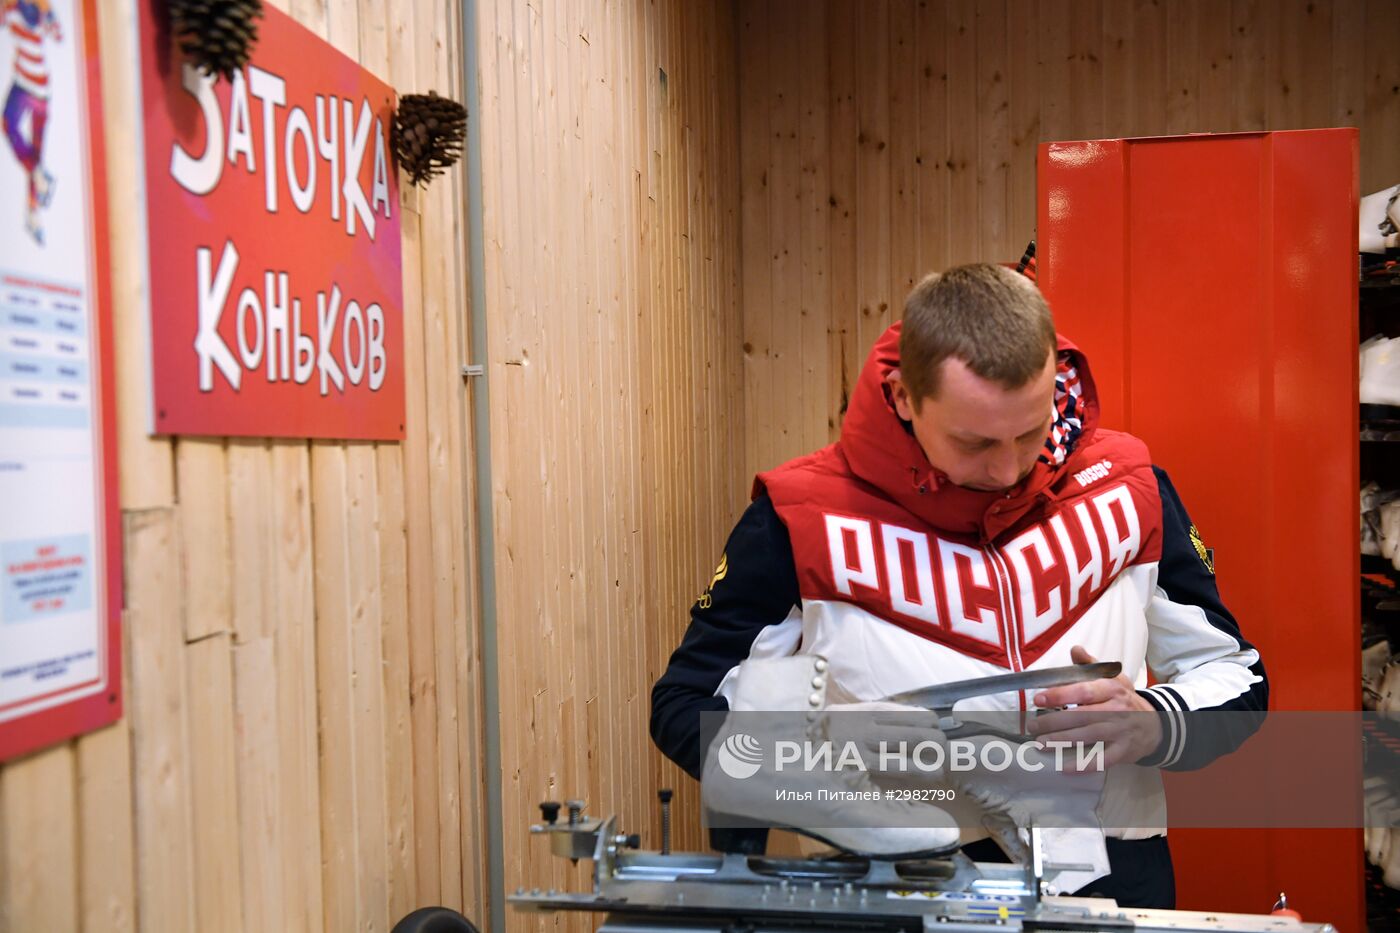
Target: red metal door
x,y
1212,281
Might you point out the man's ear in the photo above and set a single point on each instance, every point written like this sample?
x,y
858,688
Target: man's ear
x,y
899,394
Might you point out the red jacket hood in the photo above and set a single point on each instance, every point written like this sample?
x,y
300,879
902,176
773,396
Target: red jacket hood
x,y
880,450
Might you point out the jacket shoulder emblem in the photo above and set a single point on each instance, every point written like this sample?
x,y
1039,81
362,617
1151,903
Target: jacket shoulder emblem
x,y
705,599
1207,555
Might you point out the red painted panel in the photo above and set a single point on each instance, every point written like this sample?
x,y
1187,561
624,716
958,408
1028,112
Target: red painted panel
x,y
1211,280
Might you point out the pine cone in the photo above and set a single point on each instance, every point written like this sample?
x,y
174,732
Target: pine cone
x,y
217,35
428,134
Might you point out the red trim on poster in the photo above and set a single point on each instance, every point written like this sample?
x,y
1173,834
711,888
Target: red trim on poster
x,y
86,714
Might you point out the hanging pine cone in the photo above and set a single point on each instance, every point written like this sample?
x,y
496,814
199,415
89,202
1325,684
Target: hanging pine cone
x,y
217,35
428,133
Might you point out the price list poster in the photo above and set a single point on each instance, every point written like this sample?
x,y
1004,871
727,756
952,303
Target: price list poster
x,y
60,566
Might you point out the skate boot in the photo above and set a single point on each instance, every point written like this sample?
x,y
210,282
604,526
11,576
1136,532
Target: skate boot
x,y
1063,806
1380,372
43,186
1390,529
34,225
899,829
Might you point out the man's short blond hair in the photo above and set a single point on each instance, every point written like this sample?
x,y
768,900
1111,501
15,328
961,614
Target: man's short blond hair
x,y
992,318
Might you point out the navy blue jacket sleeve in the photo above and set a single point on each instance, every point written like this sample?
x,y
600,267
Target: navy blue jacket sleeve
x,y
1211,691
754,587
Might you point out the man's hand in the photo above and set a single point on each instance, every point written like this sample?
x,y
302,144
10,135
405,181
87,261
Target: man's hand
x,y
1126,738
879,726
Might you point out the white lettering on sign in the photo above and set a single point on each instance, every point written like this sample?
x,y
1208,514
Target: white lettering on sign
x,y
213,295
240,128
272,91
261,326
340,139
328,146
355,138
303,192
200,175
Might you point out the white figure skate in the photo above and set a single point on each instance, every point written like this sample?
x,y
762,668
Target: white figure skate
x,y
799,684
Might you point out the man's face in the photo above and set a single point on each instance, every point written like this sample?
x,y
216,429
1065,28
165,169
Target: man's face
x,y
979,433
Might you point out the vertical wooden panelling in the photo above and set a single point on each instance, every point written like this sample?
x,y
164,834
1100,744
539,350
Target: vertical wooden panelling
x,y
107,876
611,177
202,493
38,843
903,162
1249,63
260,813
214,784
1023,24
165,872
147,476
1189,63
294,619
844,133
301,749
335,676
814,204
758,288
873,202
1348,85
961,115
398,729
1134,46
935,159
1380,116
993,164
785,214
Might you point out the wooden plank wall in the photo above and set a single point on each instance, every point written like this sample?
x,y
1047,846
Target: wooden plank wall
x,y
301,748
883,139
611,236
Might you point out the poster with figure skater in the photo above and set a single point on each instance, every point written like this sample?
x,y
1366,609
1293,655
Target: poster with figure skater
x,y
60,566
32,25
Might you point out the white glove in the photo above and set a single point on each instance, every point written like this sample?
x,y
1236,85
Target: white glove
x,y
897,733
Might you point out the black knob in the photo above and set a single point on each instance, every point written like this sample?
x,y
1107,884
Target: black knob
x,y
634,841
664,795
550,811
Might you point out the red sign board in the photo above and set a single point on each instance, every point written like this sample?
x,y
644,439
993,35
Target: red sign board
x,y
276,290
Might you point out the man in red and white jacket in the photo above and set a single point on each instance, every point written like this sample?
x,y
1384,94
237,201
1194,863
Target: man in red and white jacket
x,y
973,520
